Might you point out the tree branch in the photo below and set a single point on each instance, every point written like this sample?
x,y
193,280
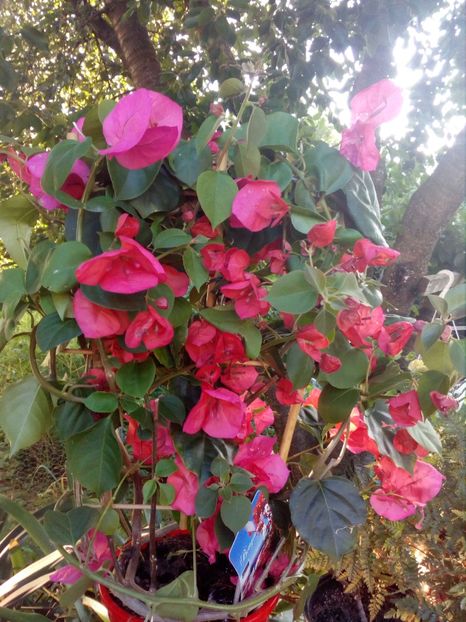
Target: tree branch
x,y
430,210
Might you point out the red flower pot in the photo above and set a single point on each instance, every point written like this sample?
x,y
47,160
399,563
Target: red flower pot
x,y
117,613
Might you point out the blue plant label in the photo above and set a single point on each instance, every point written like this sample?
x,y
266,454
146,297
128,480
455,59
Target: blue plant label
x,y
252,543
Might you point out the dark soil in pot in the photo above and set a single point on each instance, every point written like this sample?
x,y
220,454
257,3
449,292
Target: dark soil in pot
x,y
174,556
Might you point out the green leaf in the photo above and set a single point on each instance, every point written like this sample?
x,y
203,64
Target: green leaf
x,y
281,132
129,184
331,169
183,587
63,303
192,263
136,379
166,494
100,203
72,418
100,471
325,322
52,331
11,615
165,467
353,370
170,238
17,218
277,171
8,77
196,449
35,37
172,408
148,490
431,380
437,357
12,286
101,402
252,338
292,293
456,300
59,275
363,206
235,512
247,160
380,427
335,405
216,192
240,481
299,367
431,332
316,278
257,127
439,304
181,312
37,263
29,522
67,528
303,219
231,87
389,379
206,131
325,513
206,502
458,355
188,164
162,196
25,413
119,302
425,434
59,165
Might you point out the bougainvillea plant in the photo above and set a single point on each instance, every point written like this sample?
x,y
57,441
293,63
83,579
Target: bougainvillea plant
x,y
215,305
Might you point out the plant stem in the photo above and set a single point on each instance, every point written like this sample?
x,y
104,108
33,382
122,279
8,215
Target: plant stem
x,y
39,377
153,501
222,159
290,427
194,545
86,194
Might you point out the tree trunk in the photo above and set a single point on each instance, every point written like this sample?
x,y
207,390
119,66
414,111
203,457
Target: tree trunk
x,y
430,210
137,49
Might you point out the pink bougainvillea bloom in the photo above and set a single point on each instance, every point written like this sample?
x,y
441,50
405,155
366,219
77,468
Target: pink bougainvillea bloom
x,y
76,133
259,416
212,144
205,533
95,321
367,253
329,364
219,412
239,378
143,128
400,493
372,106
359,322
142,449
201,342
186,485
376,104
322,235
443,403
393,337
285,393
177,281
74,184
358,437
358,146
405,409
127,226
149,328
94,558
276,253
235,262
115,349
216,109
404,443
311,341
258,205
208,374
229,348
268,468
213,257
248,295
203,227
126,270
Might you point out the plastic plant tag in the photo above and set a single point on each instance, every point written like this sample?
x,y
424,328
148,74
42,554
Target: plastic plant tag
x,y
252,544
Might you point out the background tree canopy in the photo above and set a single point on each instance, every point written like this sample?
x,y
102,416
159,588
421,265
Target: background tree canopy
x,y
307,57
